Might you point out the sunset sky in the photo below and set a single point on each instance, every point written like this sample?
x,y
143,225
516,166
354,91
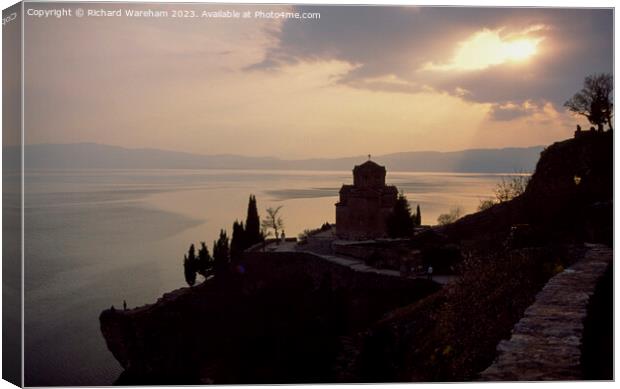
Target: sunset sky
x,y
359,80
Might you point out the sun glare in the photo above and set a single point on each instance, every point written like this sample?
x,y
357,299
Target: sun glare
x,y
520,50
487,48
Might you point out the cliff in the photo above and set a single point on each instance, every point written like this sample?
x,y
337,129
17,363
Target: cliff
x,y
569,197
281,321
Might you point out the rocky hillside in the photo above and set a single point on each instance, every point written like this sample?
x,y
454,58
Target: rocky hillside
x,y
569,197
510,251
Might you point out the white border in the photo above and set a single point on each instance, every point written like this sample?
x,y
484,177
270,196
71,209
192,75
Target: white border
x,y
481,3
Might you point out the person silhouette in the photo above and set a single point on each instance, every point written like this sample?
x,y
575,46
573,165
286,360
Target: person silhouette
x,y
124,305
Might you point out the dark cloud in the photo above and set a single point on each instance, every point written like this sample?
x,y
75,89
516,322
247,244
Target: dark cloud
x,y
398,41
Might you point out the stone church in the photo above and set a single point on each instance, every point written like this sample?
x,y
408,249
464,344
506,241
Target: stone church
x,y
364,206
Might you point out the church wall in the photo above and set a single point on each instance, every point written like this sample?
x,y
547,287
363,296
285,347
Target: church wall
x,y
365,205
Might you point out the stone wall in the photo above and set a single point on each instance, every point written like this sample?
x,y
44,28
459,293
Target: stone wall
x,y
392,254
363,216
273,323
317,243
546,343
342,273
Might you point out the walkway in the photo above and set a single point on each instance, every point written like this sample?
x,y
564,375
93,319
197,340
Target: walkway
x,y
354,264
545,343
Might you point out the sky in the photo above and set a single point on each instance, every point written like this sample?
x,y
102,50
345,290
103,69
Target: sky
x,y
357,81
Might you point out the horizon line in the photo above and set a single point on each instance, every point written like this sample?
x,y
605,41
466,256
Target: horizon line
x,y
281,158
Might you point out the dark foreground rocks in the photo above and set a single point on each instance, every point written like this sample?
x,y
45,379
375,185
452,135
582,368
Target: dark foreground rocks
x,y
283,320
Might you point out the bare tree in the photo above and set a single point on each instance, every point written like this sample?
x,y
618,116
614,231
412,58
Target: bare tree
x,y
273,221
486,204
510,187
594,101
446,218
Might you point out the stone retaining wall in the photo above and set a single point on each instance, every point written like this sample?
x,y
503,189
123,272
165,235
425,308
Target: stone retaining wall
x,y
546,343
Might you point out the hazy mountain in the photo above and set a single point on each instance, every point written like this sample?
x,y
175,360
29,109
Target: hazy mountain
x,y
96,156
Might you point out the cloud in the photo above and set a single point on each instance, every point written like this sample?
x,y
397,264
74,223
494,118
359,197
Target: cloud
x,y
352,83
511,111
489,48
399,43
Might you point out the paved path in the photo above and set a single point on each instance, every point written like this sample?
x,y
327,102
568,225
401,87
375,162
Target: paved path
x,y
354,264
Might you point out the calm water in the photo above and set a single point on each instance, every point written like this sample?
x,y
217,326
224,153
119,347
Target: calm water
x,y
96,238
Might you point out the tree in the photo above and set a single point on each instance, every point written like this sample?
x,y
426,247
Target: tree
x,y
399,221
238,240
510,187
221,253
204,262
418,216
450,217
273,221
190,266
486,204
189,271
191,254
594,101
252,224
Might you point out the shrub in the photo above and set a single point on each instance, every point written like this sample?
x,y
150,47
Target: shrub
x,y
486,204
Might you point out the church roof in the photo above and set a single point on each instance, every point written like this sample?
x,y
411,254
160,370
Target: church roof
x,y
370,165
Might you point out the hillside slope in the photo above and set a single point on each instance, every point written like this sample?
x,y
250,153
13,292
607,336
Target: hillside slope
x,y
452,335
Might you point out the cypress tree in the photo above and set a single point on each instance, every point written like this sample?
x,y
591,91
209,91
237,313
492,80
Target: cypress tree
x,y
238,240
191,254
400,222
189,271
221,255
204,262
252,224
418,216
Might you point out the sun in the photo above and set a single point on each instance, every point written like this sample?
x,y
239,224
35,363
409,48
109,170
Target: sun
x,y
520,50
488,48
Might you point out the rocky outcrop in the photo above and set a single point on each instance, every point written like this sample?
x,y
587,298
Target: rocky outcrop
x,y
546,343
281,320
569,197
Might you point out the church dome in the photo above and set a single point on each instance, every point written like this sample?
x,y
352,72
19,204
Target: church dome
x,y
369,166
369,174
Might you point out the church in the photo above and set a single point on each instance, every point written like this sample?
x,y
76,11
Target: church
x,y
364,206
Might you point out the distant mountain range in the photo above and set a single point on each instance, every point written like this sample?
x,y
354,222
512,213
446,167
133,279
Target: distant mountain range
x,y
98,156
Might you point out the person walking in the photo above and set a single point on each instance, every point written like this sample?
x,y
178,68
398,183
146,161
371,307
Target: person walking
x,y
430,272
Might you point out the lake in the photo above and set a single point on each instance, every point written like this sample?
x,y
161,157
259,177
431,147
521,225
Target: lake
x,y
94,238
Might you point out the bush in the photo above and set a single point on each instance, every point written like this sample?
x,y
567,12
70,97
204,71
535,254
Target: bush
x,y
486,204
